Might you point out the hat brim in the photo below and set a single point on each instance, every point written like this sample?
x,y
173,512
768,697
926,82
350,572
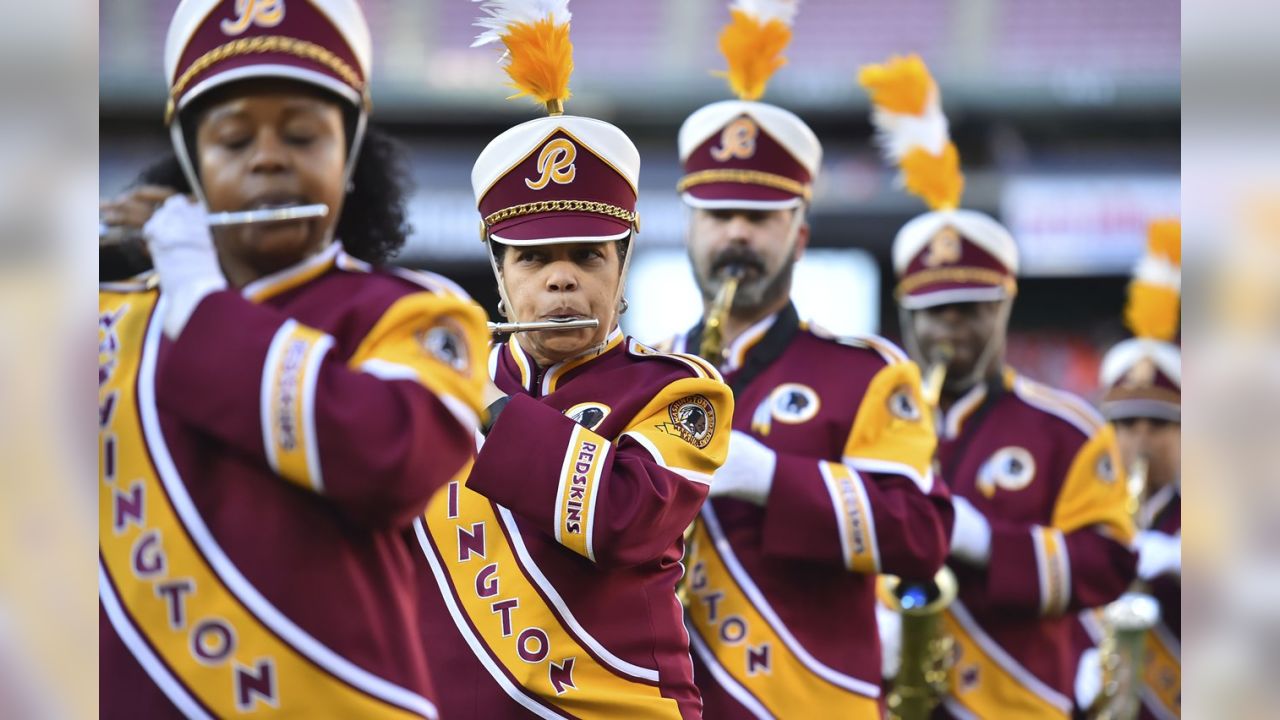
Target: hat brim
x,y
559,227
936,294
287,68
725,195
1139,408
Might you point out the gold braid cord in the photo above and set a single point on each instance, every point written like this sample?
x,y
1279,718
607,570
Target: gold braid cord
x,y
544,206
258,45
746,177
994,278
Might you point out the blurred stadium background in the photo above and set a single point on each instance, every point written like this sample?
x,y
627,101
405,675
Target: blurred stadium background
x,y
1066,114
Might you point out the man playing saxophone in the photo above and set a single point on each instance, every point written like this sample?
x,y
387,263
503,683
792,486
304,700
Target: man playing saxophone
x,y
1142,398
1040,526
827,481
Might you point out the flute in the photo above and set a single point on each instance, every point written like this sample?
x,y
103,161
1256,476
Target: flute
x,y
566,324
116,234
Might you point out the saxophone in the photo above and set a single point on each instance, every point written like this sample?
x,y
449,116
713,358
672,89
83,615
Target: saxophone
x,y
712,347
1125,623
712,350
926,649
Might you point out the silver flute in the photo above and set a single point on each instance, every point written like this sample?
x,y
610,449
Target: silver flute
x,y
116,234
517,327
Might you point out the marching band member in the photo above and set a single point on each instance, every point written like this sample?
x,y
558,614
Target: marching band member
x,y
549,586
1040,527
273,412
1142,399
828,479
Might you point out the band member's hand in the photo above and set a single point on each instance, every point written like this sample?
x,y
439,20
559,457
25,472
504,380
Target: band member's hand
x,y
889,623
494,401
1088,678
133,208
182,250
747,473
971,535
491,393
1159,554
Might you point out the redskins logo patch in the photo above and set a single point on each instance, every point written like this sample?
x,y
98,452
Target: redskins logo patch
x,y
1106,469
446,343
793,403
903,405
588,414
693,419
1009,468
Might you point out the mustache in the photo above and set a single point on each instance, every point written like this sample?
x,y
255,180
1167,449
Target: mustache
x,y
740,256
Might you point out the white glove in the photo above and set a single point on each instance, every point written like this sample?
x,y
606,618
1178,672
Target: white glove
x,y
1088,678
890,625
181,248
971,535
747,473
1159,554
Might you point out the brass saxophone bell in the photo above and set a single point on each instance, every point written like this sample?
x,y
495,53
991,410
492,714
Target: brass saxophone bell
x,y
926,648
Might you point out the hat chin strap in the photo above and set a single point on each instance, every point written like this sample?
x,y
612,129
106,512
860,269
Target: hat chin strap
x,y
193,178
989,350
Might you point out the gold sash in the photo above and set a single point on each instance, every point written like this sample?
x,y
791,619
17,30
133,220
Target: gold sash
x,y
191,627
748,653
1162,676
988,683
513,632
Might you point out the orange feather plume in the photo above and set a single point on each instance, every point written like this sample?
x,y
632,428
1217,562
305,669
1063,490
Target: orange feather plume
x,y
752,47
902,85
1154,306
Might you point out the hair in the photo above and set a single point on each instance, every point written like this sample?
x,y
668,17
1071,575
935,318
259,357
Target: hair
x,y
374,222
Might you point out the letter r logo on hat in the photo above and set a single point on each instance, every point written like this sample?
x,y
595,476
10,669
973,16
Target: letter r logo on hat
x,y
263,13
555,163
738,140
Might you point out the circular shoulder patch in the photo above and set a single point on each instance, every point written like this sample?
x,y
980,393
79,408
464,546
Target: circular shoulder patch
x,y
903,404
588,414
1106,469
447,343
793,403
694,418
1009,468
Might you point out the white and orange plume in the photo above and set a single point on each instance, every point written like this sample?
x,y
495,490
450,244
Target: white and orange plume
x,y
753,41
912,131
539,55
1153,309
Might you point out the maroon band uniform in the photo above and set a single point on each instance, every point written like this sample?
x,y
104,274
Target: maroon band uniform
x,y
256,476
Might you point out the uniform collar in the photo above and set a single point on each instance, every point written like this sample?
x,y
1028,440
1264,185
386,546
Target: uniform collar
x,y
295,275
736,354
950,424
541,382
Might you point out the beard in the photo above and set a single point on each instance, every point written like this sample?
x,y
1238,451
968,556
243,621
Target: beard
x,y
762,291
